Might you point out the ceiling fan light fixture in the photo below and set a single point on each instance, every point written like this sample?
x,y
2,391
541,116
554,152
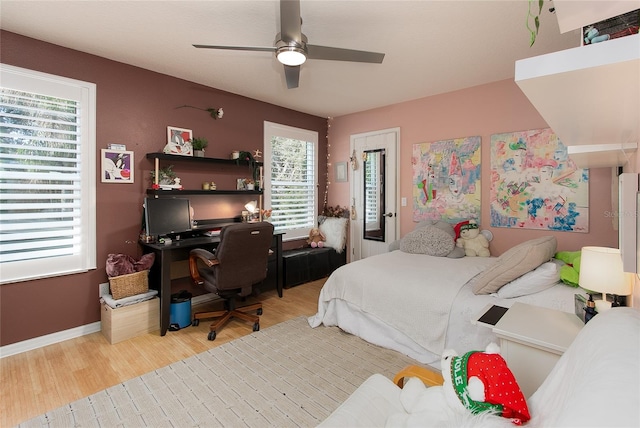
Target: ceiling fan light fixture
x,y
291,55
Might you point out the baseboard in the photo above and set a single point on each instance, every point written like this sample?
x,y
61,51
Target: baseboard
x,y
49,339
61,336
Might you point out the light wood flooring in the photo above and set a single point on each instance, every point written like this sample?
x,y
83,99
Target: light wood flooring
x,y
34,382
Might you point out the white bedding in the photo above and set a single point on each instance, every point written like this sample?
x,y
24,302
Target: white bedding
x,y
417,304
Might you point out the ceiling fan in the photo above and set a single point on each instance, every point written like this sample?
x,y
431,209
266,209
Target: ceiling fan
x,y
291,46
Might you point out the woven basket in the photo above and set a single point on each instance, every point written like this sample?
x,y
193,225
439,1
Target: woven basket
x,y
129,285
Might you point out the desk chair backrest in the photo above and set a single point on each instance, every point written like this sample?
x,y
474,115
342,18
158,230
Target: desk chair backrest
x,y
243,254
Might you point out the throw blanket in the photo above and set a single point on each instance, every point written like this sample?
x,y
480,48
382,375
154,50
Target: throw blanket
x,y
412,293
126,301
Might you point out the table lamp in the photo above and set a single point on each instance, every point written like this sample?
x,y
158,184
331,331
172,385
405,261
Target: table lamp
x,y
601,271
251,207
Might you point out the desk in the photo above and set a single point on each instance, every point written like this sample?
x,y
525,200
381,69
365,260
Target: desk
x,y
160,275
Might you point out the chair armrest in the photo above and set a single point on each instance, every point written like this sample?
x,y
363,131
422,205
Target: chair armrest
x,y
206,257
427,376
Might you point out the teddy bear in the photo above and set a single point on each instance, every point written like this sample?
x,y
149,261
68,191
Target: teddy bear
x,y
473,242
478,390
316,238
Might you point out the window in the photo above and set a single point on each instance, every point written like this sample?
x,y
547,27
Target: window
x,y
47,175
290,175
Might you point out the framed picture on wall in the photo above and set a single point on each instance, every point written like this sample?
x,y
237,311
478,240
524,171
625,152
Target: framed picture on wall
x,y
179,141
341,172
117,166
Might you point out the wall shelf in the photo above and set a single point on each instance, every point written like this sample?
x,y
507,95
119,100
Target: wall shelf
x,y
193,159
157,157
160,192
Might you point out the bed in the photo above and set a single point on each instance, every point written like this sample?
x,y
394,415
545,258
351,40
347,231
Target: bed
x,y
420,305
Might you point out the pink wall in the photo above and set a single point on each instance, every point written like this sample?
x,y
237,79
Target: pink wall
x,y
134,107
482,110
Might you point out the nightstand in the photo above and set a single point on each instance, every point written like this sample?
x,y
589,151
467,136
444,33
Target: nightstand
x,y
532,339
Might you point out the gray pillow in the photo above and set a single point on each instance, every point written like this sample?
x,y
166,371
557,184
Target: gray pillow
x,y
514,263
428,240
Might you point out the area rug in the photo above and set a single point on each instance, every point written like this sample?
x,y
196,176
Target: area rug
x,y
288,375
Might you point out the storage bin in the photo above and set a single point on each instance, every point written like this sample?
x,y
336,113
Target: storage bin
x,y
129,285
130,321
180,312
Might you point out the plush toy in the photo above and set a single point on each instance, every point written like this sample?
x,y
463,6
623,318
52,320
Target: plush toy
x,y
316,238
570,272
478,390
473,242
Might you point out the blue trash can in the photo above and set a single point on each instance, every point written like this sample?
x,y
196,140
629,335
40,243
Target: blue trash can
x,y
180,312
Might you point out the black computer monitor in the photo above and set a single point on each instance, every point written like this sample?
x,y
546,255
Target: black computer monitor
x,y
165,216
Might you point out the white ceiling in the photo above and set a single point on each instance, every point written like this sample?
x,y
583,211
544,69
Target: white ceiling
x,y
431,47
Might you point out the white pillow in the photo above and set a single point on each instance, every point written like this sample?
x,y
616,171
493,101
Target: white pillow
x,y
544,276
514,263
334,230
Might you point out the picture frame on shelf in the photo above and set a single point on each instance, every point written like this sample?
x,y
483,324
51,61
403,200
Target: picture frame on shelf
x,y
179,141
341,172
117,166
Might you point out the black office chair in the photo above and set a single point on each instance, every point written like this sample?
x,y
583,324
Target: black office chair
x,y
239,262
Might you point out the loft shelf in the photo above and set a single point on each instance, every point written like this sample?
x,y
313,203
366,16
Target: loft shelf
x,y
193,159
589,95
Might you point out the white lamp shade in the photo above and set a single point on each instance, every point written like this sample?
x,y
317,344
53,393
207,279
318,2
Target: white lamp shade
x,y
601,271
251,206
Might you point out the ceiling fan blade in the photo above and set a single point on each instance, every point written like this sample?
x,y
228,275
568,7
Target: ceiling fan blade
x,y
238,48
290,23
292,74
339,54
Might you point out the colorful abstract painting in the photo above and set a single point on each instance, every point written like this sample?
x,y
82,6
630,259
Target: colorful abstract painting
x,y
446,180
536,185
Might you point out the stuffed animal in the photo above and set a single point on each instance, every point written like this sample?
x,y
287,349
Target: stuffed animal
x,y
473,242
570,272
478,390
316,238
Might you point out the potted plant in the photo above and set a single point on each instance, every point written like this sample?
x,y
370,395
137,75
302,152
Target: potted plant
x,y
166,179
253,164
198,145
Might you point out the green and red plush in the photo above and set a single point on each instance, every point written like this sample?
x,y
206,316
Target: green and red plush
x,y
479,390
482,382
570,271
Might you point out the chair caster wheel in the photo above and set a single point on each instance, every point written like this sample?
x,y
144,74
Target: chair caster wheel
x,y
259,312
195,323
256,327
212,335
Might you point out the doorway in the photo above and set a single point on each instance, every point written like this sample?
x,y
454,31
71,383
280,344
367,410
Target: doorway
x,y
373,193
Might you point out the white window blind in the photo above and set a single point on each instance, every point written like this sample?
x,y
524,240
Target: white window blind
x,y
290,176
47,175
372,192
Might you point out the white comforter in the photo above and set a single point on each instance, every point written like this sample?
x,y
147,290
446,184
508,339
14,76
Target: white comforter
x,y
412,293
419,305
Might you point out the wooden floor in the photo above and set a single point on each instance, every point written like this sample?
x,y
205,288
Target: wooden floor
x,y
37,381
